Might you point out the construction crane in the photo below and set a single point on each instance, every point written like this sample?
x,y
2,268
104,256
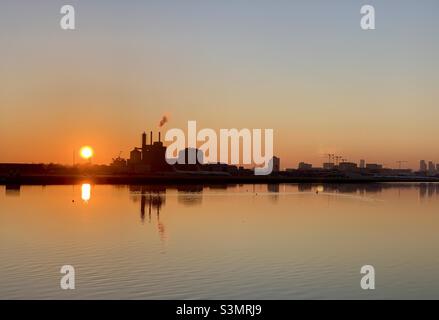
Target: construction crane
x,y
330,157
118,161
337,159
118,157
400,162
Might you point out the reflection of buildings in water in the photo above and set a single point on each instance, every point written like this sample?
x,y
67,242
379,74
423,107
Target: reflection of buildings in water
x,y
356,188
12,190
190,188
431,189
221,186
190,194
351,188
372,188
136,190
304,187
425,189
152,199
273,188
422,190
428,189
341,188
155,202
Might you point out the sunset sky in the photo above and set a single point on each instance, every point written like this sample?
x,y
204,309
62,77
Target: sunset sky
x,y
303,68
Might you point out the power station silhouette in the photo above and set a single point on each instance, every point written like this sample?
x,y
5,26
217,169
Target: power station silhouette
x,y
149,157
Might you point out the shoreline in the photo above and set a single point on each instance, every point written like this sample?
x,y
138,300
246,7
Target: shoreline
x,y
195,179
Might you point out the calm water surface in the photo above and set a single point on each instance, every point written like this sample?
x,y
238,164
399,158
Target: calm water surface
x,y
220,242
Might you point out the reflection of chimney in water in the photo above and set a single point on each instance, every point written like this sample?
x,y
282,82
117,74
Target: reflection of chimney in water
x,y
150,138
142,207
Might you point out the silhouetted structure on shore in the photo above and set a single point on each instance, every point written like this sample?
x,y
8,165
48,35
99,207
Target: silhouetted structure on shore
x,y
149,157
147,163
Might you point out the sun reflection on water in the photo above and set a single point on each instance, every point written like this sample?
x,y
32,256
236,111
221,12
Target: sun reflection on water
x,y
86,192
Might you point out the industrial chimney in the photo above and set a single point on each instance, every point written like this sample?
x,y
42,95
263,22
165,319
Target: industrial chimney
x,y
143,139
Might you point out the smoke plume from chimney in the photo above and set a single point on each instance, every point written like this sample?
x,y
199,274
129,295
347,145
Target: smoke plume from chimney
x,y
163,121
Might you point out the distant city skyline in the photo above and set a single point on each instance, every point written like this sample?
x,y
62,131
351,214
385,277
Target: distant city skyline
x,y
305,69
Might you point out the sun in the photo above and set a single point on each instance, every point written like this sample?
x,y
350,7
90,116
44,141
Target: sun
x,y
86,152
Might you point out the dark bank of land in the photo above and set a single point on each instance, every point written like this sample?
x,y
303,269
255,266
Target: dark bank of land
x,y
46,174
195,179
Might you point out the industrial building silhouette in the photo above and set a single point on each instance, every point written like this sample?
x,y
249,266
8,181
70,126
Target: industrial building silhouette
x,y
152,158
149,157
